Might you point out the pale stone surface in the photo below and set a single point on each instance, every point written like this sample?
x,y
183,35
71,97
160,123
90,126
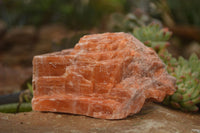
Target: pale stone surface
x,y
105,76
153,118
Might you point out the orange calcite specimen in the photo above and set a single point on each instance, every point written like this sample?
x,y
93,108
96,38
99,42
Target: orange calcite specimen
x,y
105,76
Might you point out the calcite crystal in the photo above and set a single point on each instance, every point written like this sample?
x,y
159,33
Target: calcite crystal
x,y
107,76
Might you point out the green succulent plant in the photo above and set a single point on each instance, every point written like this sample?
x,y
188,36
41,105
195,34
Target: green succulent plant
x,y
153,36
187,72
187,95
128,22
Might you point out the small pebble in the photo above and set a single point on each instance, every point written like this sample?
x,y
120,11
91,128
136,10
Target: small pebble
x,y
58,116
4,117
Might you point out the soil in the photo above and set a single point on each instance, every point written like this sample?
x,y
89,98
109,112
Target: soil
x,y
153,118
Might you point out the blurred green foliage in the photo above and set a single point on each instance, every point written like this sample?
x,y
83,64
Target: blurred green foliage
x,y
127,23
182,12
74,13
185,11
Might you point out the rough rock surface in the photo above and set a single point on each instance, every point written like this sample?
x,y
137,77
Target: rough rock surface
x,y
106,76
153,118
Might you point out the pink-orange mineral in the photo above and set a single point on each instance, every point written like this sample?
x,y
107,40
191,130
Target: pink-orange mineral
x,y
105,76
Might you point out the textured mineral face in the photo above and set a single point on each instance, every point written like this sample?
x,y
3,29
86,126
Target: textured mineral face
x,y
105,76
